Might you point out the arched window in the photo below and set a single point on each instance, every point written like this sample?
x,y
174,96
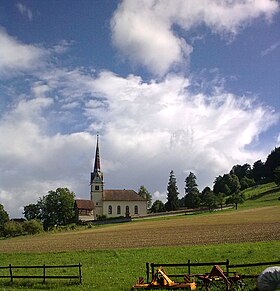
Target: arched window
x,y
118,209
127,211
110,209
135,209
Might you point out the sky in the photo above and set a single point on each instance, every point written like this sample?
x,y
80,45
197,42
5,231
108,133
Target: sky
x,y
168,85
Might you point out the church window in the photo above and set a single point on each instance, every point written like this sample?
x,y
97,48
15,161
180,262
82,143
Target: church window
x,y
118,209
96,188
127,210
110,209
135,209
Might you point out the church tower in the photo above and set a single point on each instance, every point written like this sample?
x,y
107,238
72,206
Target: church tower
x,y
96,183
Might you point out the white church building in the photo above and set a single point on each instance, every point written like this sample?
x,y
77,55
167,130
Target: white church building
x,y
109,203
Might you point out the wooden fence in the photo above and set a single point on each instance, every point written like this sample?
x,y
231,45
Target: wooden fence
x,y
150,268
14,275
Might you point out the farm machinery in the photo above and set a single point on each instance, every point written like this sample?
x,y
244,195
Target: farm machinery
x,y
161,280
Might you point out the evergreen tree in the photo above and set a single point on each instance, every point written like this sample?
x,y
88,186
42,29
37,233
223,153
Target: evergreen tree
x,y
192,199
4,217
172,193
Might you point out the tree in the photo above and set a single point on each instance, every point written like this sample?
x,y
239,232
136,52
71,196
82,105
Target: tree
x,y
172,193
192,199
211,200
158,206
143,192
220,199
277,176
31,211
236,198
241,171
4,217
221,186
56,208
258,171
272,162
246,182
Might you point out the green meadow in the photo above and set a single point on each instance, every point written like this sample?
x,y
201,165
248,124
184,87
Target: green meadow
x,y
119,268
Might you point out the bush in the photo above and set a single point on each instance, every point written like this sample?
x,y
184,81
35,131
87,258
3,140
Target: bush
x,y
33,226
12,228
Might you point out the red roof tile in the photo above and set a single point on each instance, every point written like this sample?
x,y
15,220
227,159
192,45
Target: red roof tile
x,y
122,195
84,204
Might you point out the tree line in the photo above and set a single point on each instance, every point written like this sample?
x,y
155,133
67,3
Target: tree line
x,y
57,207
226,188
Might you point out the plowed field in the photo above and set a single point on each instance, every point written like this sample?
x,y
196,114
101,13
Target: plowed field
x,y
260,224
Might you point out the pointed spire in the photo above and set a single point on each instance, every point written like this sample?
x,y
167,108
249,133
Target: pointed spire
x,y
96,167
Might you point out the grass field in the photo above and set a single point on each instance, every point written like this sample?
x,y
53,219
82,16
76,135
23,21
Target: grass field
x,y
113,257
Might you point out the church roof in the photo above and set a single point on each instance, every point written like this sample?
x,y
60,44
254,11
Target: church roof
x,y
121,195
84,204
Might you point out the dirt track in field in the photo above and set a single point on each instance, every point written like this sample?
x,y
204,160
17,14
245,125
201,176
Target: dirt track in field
x,y
252,225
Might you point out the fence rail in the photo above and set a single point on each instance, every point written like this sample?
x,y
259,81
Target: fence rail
x,y
44,276
150,268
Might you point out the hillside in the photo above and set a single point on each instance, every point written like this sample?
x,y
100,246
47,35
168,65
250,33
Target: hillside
x,y
258,219
261,196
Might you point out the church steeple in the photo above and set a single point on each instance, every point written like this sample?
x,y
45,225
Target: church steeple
x,y
96,183
96,167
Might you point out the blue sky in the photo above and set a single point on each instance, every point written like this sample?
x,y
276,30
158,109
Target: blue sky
x,y
169,85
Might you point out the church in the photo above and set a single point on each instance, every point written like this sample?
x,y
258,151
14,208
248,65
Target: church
x,y
108,203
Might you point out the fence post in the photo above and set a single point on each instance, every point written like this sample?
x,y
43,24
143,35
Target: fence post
x,y
11,273
153,270
227,266
44,271
148,272
80,273
189,267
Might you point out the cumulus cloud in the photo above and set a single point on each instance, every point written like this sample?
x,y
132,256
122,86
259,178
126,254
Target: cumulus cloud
x,y
143,31
16,56
147,129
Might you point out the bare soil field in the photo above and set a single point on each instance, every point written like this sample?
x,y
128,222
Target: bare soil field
x,y
253,225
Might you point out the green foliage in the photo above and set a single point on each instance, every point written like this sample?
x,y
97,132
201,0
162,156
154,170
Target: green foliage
x,y
258,171
272,162
227,184
246,182
143,192
172,193
32,226
12,228
158,206
56,208
277,176
211,200
31,211
192,199
241,171
236,198
4,217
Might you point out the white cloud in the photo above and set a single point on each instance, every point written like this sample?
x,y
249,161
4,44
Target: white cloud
x,y
16,56
147,129
25,11
144,33
270,49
